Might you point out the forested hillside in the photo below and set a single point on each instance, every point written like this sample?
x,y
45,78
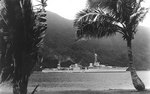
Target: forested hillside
x,y
60,43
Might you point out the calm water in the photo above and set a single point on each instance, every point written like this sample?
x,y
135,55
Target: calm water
x,y
84,81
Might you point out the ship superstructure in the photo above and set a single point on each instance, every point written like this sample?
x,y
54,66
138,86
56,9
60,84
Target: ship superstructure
x,y
93,67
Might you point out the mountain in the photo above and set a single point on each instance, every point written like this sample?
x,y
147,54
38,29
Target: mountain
x,y
60,40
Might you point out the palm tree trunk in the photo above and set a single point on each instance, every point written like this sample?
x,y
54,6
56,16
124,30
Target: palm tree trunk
x,y
20,87
3,52
20,81
137,82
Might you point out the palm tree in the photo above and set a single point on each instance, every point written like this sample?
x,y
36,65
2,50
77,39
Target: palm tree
x,y
105,20
22,34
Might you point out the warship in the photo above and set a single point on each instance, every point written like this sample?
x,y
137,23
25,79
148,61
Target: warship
x,y
94,67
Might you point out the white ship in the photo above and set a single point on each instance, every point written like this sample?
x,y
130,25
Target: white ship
x,y
92,68
71,69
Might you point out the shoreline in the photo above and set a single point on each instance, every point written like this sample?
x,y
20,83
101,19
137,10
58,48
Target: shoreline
x,y
8,90
88,92
113,91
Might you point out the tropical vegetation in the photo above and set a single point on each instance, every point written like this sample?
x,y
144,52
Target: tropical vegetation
x,y
104,18
22,29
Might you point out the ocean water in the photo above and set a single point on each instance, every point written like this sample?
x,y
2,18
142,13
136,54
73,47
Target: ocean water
x,y
86,81
50,82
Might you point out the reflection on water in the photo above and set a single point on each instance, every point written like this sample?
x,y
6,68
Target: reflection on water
x,y
84,81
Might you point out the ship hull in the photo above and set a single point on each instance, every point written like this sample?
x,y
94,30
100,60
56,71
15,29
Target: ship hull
x,y
105,70
90,70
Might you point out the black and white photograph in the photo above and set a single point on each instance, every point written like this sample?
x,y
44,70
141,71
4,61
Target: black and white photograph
x,y
74,46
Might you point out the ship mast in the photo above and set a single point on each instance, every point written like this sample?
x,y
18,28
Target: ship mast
x,y
95,58
96,63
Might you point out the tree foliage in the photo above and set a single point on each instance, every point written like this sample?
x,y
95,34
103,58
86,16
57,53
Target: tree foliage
x,y
25,29
122,16
95,23
106,17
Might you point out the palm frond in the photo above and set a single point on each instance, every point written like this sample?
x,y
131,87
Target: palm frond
x,y
122,9
95,23
110,4
137,17
25,35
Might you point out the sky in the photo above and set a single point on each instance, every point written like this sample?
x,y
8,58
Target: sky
x,y
66,8
69,8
